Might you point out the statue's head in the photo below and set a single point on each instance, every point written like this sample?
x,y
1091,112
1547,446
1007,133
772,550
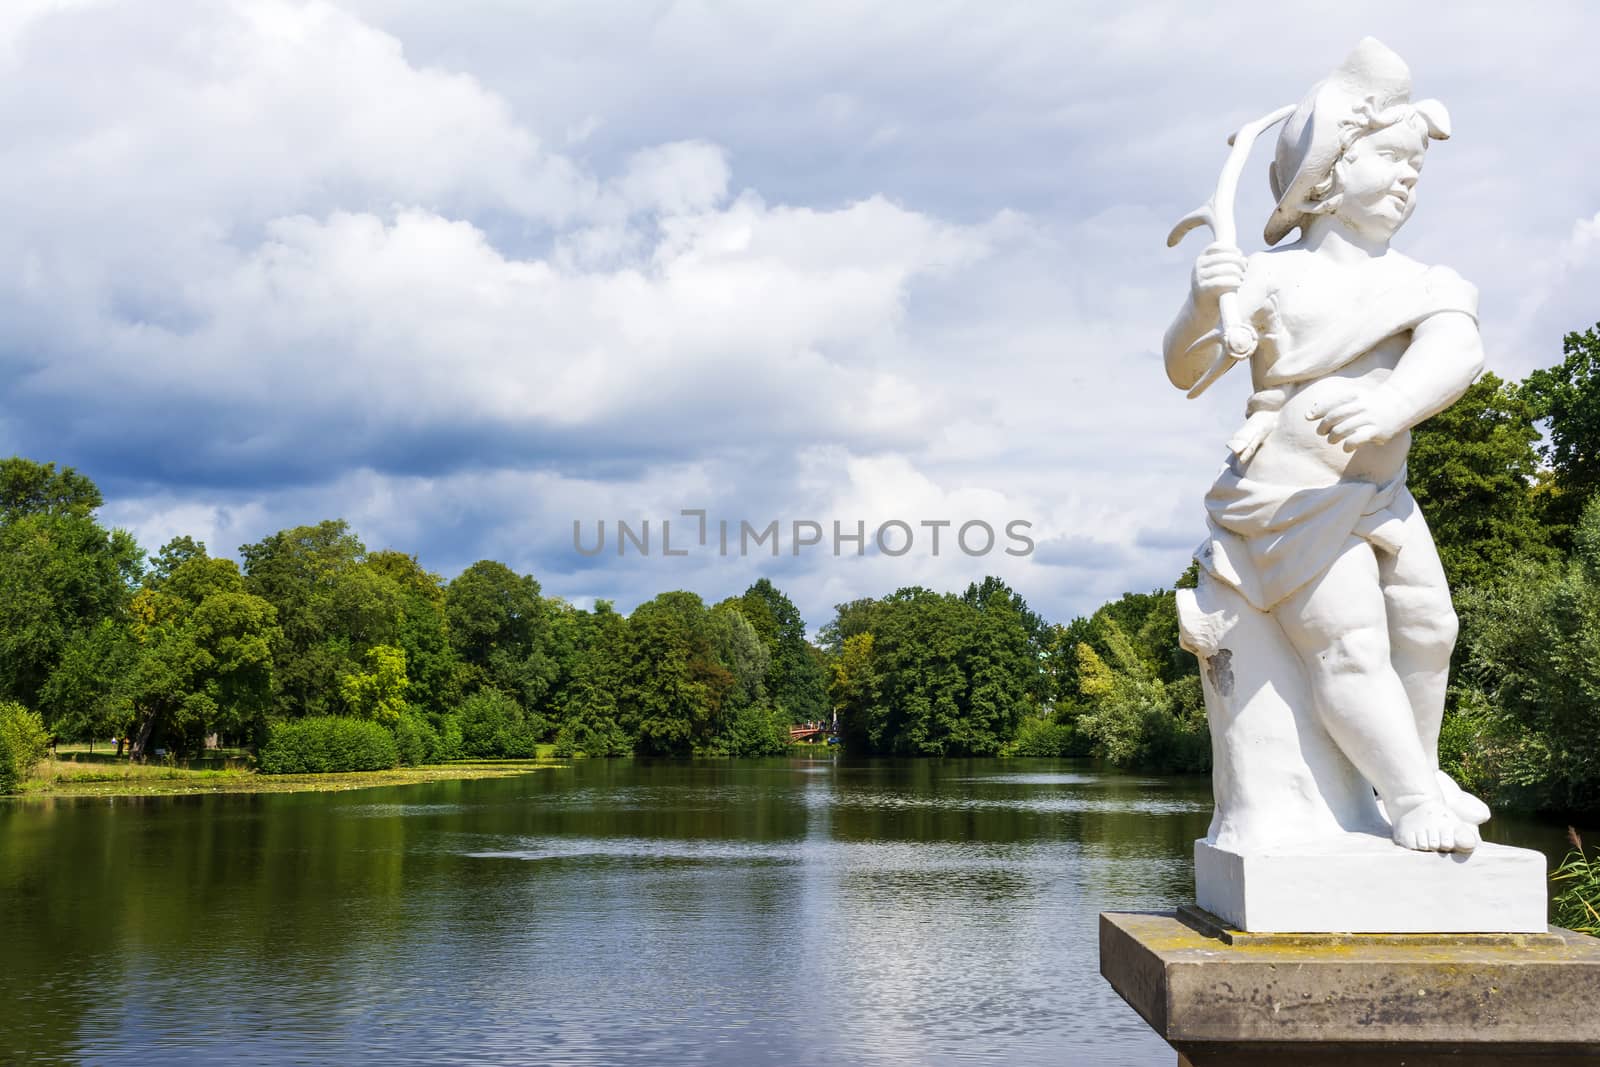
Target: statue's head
x,y
1354,146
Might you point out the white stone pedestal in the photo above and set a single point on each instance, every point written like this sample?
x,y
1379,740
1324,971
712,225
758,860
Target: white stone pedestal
x,y
1363,883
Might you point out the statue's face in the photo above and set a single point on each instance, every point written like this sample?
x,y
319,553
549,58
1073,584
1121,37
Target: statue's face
x,y
1377,178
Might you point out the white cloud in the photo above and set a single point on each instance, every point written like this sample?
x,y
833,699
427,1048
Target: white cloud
x,y
463,273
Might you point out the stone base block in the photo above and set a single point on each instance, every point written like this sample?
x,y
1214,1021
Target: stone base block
x,y
1363,883
1512,1000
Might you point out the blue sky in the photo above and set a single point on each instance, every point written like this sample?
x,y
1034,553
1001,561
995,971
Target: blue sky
x,y
464,273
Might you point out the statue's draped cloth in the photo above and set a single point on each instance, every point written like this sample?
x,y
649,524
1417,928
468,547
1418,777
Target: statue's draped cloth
x,y
1268,540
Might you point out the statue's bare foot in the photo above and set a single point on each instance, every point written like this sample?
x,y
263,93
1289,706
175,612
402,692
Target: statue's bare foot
x,y
1463,804
1431,826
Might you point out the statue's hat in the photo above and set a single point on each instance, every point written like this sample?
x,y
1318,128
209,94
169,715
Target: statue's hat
x,y
1371,77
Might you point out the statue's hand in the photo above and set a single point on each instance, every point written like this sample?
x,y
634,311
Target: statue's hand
x,y
1218,269
1371,416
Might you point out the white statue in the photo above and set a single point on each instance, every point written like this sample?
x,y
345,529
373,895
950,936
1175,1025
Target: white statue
x,y
1322,619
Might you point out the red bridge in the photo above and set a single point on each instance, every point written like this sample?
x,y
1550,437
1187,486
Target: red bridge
x,y
808,731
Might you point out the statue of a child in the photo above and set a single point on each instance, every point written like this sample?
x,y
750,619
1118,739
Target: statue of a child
x,y
1310,520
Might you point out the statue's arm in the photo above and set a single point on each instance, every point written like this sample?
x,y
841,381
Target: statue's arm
x,y
1218,269
1445,354
1184,367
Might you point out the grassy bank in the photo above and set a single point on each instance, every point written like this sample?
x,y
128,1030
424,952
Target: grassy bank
x,y
66,778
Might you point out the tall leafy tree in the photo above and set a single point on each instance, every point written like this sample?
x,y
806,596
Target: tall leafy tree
x,y
994,597
1567,396
171,555
1535,665
1003,665
379,692
61,573
203,657
929,674
980,594
29,488
749,725
740,649
797,679
673,687
86,696
1143,625
1472,469
436,674
856,690
849,620
591,719
500,627
1132,715
329,607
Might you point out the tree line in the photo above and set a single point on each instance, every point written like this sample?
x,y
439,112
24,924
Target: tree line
x,y
312,630
184,646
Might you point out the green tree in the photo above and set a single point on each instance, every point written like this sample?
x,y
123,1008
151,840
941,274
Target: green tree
x,y
980,594
29,488
61,573
86,696
330,609
1472,470
1142,625
500,627
1567,396
738,647
673,687
378,693
849,620
298,571
495,726
749,724
23,743
571,630
437,676
173,554
1133,716
1002,664
1535,664
922,673
856,690
591,720
1061,663
797,680
202,659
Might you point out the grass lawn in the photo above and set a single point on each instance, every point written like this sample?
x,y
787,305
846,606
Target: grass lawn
x,y
70,778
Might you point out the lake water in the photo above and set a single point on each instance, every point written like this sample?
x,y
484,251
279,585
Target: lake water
x,y
611,912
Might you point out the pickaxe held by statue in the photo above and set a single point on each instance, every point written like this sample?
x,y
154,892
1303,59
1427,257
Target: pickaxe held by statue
x,y
1237,338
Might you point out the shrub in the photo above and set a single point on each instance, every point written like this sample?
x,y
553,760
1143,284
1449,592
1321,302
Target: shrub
x,y
327,743
597,740
449,739
416,739
1048,737
23,743
1533,649
756,730
1137,720
494,726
